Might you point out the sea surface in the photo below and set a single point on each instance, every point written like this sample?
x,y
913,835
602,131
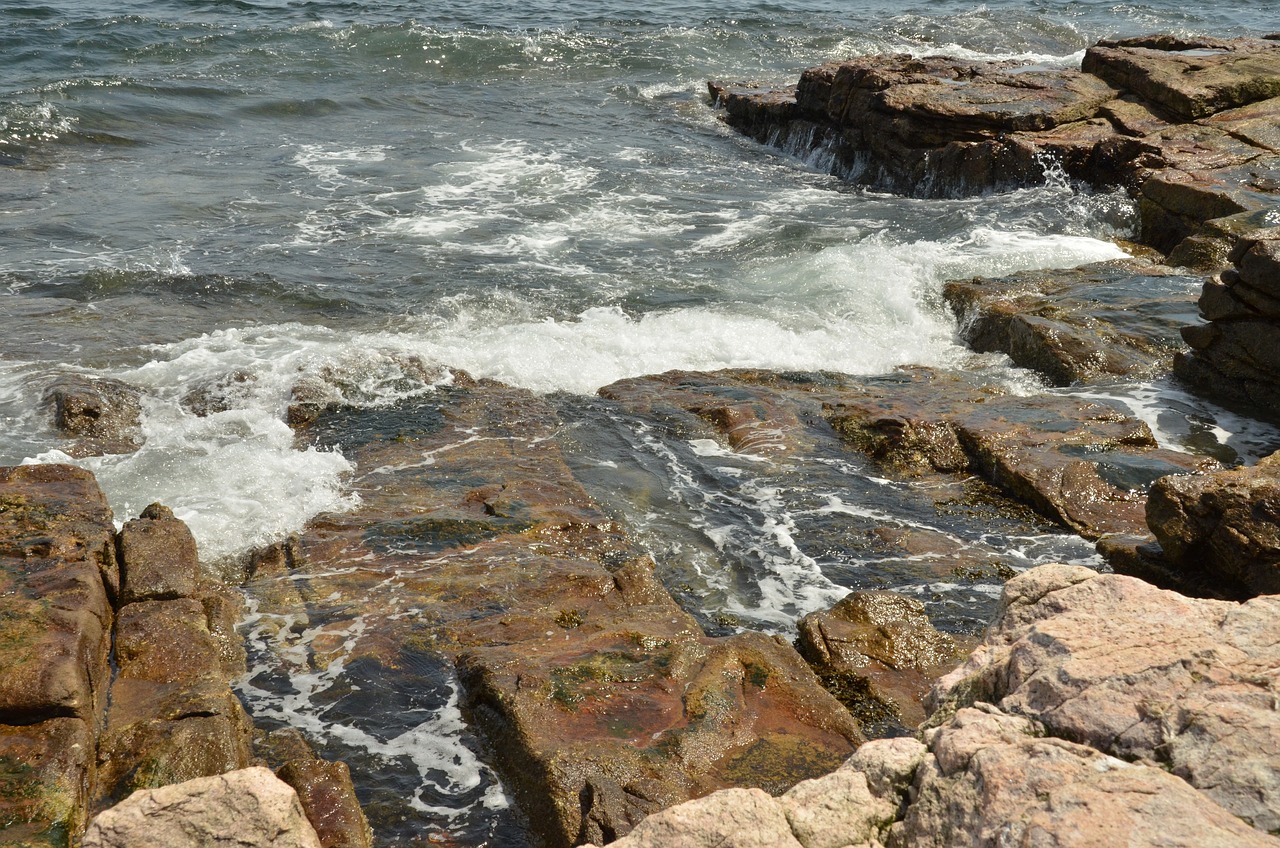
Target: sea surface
x,y
370,194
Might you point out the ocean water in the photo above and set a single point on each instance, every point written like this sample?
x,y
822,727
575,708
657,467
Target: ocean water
x,y
246,193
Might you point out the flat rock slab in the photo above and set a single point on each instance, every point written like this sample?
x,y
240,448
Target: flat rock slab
x,y
1191,78
1083,464
603,701
1140,673
1096,322
967,107
1188,125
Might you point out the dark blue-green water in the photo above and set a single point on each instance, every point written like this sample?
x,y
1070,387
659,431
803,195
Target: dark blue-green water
x,y
364,195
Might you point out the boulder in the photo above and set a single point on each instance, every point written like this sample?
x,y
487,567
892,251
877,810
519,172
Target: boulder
x,y
884,639
984,778
1222,529
1140,674
248,807
57,559
172,715
995,779
732,818
158,557
103,415
1236,356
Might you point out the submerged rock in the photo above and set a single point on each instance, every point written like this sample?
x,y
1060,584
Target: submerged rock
x,y
1096,322
248,807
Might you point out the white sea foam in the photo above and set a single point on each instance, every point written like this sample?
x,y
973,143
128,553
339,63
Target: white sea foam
x,y
237,475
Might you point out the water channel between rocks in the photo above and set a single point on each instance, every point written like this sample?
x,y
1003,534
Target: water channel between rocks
x,y
219,205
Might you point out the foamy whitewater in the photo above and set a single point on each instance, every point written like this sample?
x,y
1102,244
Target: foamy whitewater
x,y
217,203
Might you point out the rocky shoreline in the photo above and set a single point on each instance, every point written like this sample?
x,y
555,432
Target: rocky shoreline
x,y
1097,708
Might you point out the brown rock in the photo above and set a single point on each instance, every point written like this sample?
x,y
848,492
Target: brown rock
x,y
723,713
1223,528
1192,79
158,557
1142,674
1260,266
324,788
883,638
55,551
602,699
103,414
1187,123
172,715
47,768
1098,321
247,807
1083,464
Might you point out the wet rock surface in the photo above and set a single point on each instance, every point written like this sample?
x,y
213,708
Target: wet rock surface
x,y
1102,731
1236,356
601,699
1185,124
1083,464
881,641
172,714
1222,529
1097,322
102,415
78,732
57,566
324,789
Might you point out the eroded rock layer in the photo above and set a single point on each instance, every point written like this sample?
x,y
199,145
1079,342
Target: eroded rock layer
x,y
1187,125
1099,710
